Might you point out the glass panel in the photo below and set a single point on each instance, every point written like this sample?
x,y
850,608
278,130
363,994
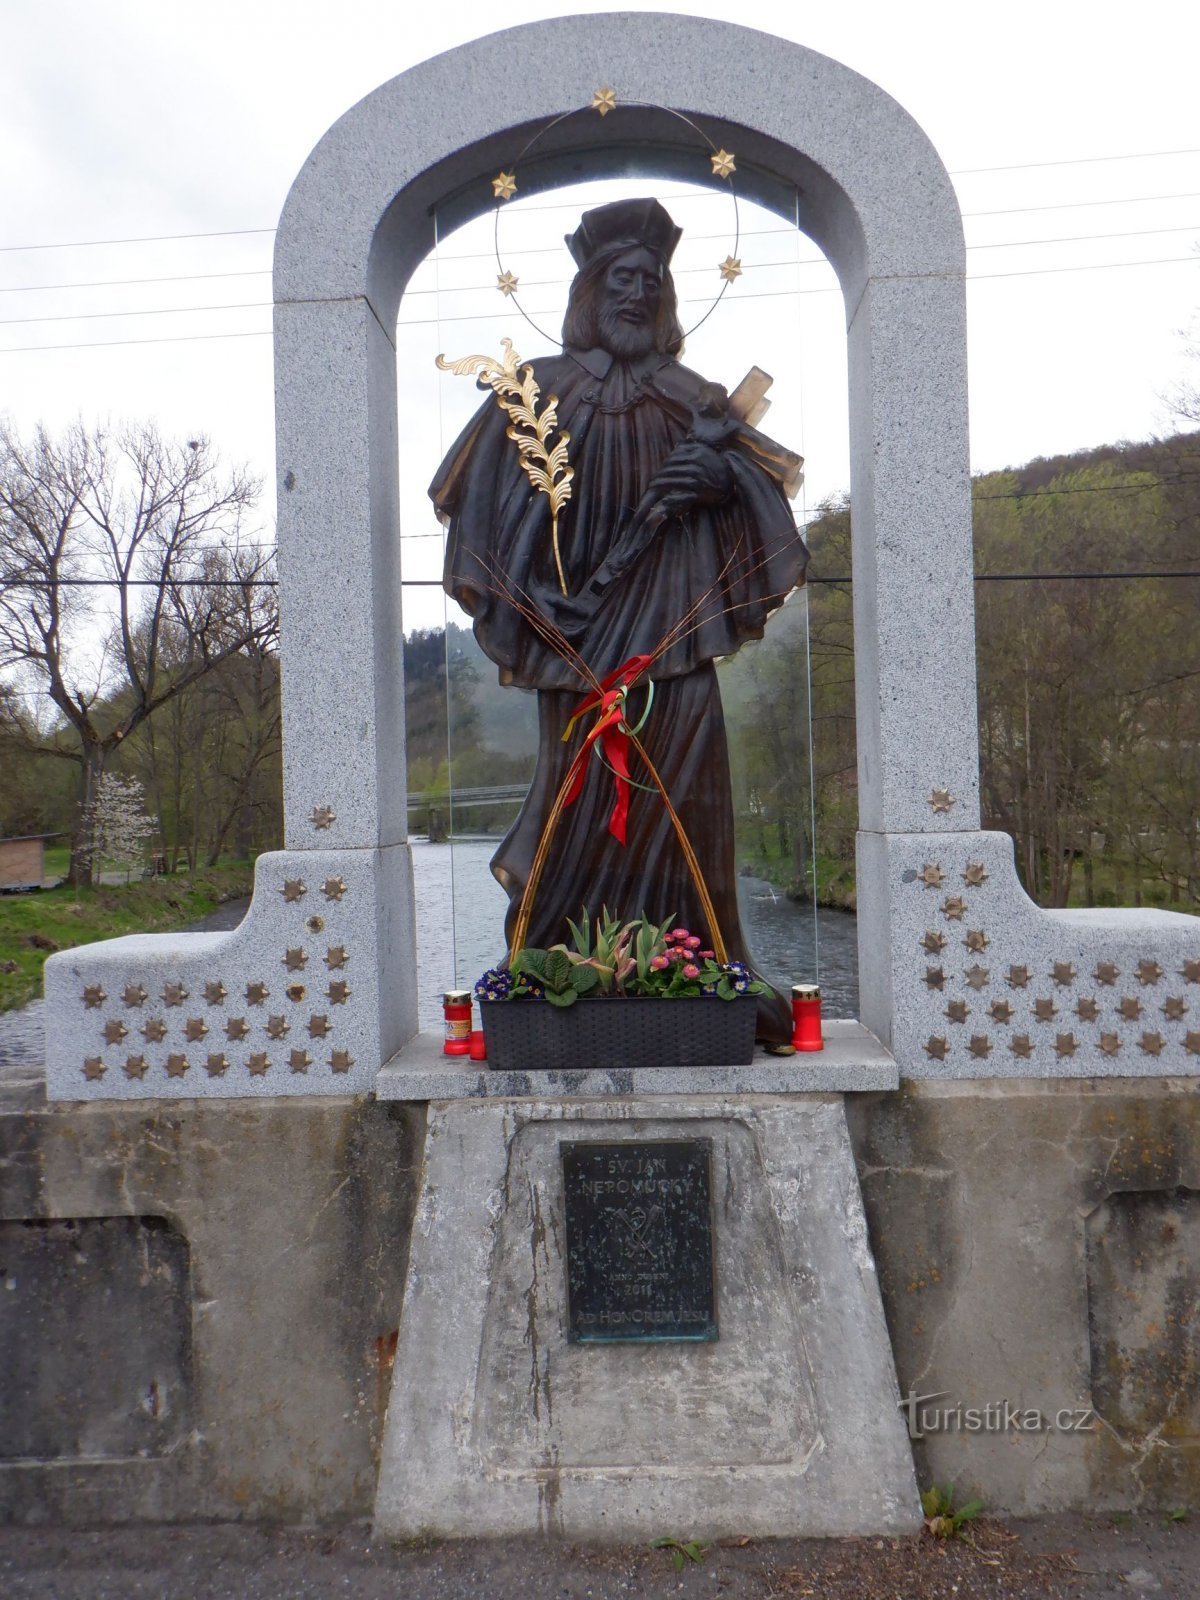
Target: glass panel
x,y
467,781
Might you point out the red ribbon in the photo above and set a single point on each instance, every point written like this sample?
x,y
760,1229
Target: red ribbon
x,y
608,728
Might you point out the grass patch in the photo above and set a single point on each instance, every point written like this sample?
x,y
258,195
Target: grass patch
x,y
32,926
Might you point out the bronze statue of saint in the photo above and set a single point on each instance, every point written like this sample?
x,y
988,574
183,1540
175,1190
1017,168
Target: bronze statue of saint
x,y
678,528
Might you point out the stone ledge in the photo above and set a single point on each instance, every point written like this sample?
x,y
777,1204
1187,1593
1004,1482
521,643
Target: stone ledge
x,y
853,1059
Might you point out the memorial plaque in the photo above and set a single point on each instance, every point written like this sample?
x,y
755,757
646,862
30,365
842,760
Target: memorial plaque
x,y
639,1241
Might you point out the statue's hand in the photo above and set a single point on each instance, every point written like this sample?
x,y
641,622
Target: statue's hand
x,y
570,614
694,474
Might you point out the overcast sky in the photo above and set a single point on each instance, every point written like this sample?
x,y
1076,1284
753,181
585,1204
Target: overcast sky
x,y
1071,133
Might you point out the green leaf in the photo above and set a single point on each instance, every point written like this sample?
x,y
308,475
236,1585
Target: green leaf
x,y
561,997
969,1511
531,961
557,969
581,934
677,1560
584,978
931,1501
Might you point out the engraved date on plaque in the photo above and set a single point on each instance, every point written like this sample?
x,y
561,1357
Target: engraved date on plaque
x,y
639,1240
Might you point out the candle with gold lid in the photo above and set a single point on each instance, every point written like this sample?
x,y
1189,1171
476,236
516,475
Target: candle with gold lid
x,y
806,1017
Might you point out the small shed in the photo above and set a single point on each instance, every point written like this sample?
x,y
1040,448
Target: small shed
x,y
23,861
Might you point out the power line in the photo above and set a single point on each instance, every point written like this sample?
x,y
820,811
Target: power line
x,y
122,283
160,311
1072,161
234,233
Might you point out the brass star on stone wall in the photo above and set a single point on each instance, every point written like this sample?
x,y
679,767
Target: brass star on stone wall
x,y
173,994
314,924
604,100
256,993
334,888
1018,977
977,941
93,996
504,185
1130,1008
957,1011
934,943
1110,1044
1191,1043
296,991
136,1066
134,995
975,875
1087,1010
1064,1044
194,1029
931,875
1001,1011
214,992
318,1027
980,1046
295,960
237,1028
1106,973
277,1027
294,889
934,977
1064,972
323,816
336,956
299,1060
954,908
941,800
722,163
177,1065
258,1063
1174,1008
1190,972
338,992
341,1061
114,1031
507,283
216,1065
1021,1045
1152,1043
1149,972
936,1048
1045,1010
976,976
93,1069
154,1031
730,269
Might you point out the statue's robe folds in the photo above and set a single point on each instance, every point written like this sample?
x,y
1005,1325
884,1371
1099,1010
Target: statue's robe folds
x,y
736,561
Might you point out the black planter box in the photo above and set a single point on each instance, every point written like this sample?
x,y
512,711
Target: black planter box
x,y
535,1036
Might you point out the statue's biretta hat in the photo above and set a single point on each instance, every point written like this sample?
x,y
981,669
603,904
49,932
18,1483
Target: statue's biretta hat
x,y
624,222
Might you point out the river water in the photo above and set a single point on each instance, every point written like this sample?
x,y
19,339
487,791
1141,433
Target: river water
x,y
460,930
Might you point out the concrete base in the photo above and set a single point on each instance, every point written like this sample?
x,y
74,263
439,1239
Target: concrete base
x,y
789,1424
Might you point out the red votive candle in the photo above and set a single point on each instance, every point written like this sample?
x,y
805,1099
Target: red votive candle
x,y
806,1017
456,1008
478,1049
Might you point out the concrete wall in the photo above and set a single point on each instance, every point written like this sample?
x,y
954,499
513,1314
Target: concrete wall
x,y
198,1305
198,1300
1039,1243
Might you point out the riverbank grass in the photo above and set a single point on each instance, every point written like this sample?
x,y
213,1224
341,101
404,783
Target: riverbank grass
x,y
33,926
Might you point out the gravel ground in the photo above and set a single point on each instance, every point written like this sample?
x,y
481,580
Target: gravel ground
x,y
1088,1558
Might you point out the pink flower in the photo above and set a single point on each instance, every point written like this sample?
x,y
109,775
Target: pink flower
x,y
657,963
677,955
708,955
692,942
691,970
679,933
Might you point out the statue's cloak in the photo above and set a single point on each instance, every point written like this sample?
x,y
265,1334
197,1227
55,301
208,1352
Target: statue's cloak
x,y
735,562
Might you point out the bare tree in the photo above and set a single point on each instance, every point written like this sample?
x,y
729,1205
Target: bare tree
x,y
125,577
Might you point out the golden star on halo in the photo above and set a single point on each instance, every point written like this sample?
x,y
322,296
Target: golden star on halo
x,y
731,268
604,100
504,185
507,282
722,163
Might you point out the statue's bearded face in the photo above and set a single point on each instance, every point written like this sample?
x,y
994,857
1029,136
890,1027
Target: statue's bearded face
x,y
627,303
